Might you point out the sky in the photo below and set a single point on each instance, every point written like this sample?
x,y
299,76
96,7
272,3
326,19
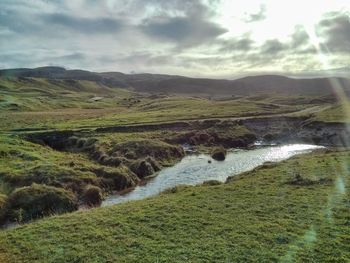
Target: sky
x,y
199,38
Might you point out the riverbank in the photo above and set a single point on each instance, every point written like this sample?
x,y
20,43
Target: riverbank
x,y
106,161
295,211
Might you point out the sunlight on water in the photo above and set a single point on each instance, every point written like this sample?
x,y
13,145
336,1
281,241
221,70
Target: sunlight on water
x,y
195,169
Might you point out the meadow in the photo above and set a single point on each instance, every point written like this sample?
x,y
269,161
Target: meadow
x,y
296,211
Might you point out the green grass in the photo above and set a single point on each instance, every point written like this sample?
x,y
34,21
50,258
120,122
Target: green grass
x,y
23,163
19,157
59,104
260,217
178,109
257,217
335,113
34,94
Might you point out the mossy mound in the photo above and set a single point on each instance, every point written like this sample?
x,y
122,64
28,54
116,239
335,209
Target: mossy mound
x,y
110,161
116,178
92,195
219,154
155,164
50,174
142,168
37,201
142,148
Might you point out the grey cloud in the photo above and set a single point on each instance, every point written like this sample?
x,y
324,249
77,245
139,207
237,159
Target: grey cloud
x,y
38,58
9,19
300,42
259,16
83,25
28,19
244,43
299,37
73,56
182,30
191,28
272,47
335,28
135,59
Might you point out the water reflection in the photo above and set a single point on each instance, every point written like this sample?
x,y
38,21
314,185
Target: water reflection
x,y
195,169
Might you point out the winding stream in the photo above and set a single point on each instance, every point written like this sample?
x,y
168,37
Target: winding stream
x,y
195,169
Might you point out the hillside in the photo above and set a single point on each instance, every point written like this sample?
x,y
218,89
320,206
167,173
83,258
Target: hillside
x,y
172,84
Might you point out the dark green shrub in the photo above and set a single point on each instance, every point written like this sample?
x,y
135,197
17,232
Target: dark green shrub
x,y
92,195
37,201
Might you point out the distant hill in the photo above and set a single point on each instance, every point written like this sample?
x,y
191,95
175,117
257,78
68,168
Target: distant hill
x,y
172,84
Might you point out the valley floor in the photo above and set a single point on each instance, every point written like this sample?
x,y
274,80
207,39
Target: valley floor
x,y
296,211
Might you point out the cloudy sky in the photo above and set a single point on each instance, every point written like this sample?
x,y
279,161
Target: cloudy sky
x,y
211,38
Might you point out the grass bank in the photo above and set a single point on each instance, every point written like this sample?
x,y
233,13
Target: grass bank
x,y
296,211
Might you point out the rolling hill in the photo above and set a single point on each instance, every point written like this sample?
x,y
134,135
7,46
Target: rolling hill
x,y
172,84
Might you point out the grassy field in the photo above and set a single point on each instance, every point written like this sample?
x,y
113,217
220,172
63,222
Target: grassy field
x,y
146,111
66,104
35,94
335,113
267,215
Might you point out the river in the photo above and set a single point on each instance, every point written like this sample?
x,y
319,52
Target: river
x,y
195,169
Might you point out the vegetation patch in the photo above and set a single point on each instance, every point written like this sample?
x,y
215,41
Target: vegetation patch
x,y
116,178
256,218
37,201
225,133
161,151
92,195
298,179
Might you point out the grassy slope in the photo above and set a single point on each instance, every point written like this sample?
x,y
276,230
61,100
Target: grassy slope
x,y
164,110
18,157
181,108
336,113
42,103
43,94
258,218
